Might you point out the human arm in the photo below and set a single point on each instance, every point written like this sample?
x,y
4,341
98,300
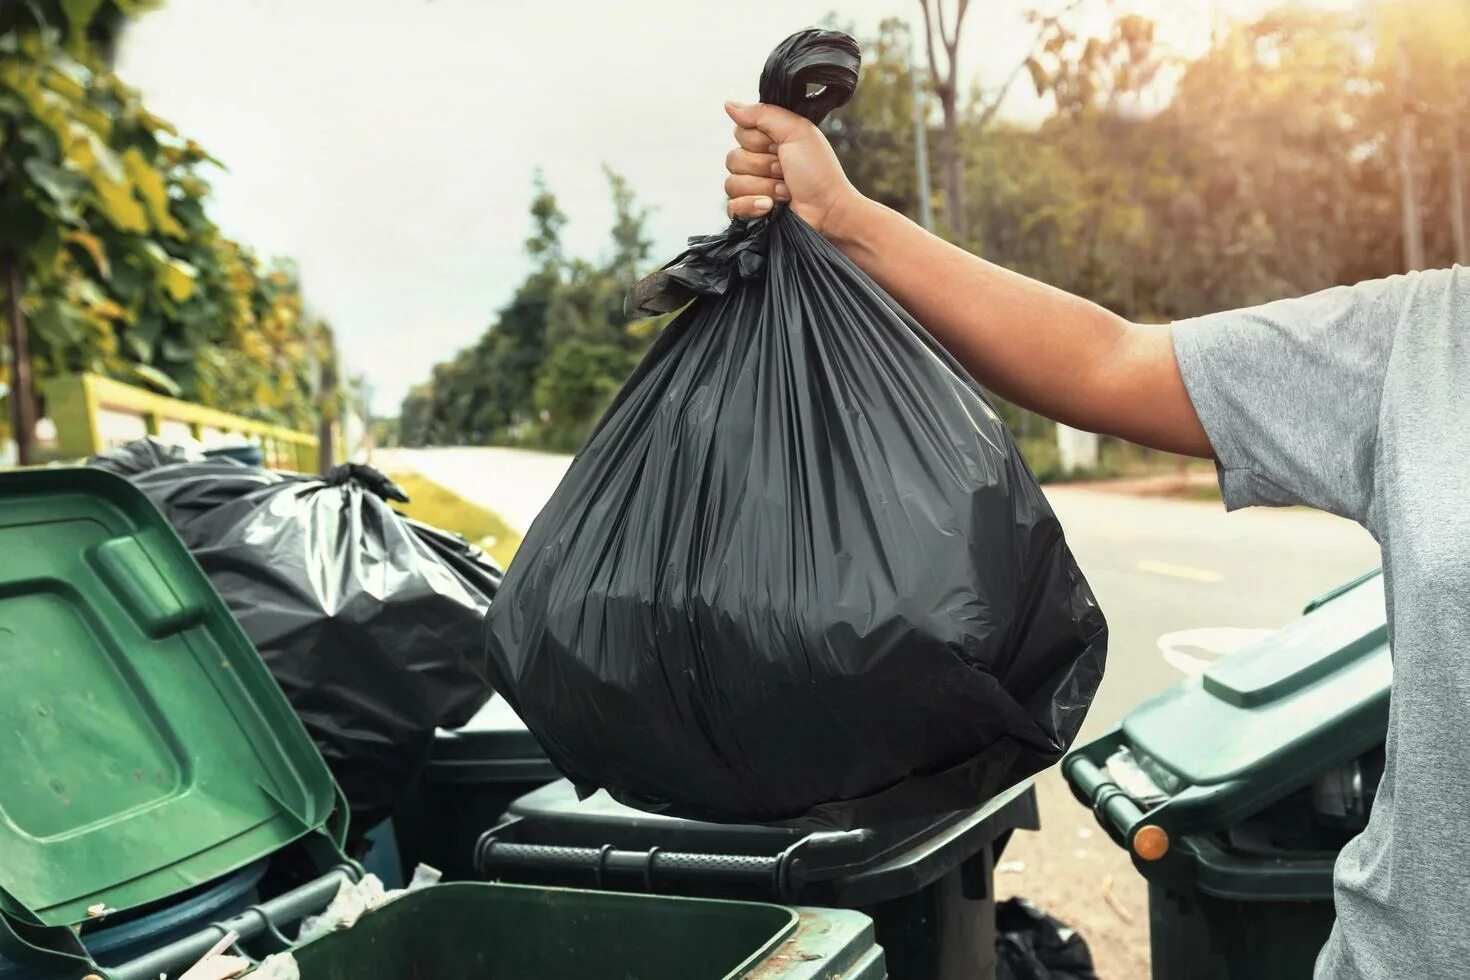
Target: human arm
x,y
1049,351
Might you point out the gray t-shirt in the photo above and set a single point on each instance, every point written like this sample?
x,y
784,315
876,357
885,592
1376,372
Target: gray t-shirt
x,y
1354,400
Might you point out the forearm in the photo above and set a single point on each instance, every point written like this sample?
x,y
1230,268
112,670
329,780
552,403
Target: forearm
x,y
1035,345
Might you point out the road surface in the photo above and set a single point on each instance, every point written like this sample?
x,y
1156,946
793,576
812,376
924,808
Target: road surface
x,y
1158,567
512,482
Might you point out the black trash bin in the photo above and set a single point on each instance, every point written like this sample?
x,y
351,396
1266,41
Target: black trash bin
x,y
927,883
473,774
1235,791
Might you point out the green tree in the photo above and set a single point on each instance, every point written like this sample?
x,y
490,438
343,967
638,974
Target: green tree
x,y
577,383
873,135
108,259
555,354
630,241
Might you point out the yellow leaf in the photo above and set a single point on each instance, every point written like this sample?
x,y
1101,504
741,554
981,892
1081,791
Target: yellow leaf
x,y
156,123
116,201
48,107
93,247
108,309
85,152
194,187
113,190
175,275
150,186
196,152
66,86
94,119
79,14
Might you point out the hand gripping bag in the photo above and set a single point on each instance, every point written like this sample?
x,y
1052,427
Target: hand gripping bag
x,y
799,572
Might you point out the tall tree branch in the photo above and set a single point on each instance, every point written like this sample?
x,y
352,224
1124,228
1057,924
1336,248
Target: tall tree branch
x,y
929,44
993,106
959,19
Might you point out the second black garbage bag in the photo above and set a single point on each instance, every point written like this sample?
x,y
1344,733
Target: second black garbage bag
x,y
370,622
800,571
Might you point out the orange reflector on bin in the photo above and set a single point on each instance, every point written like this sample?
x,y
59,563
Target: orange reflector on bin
x,y
1151,842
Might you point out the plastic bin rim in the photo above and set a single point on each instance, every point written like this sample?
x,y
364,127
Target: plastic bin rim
x,y
756,957
1220,874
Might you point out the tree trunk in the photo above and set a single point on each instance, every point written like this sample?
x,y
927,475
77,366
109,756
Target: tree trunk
x,y
947,88
921,142
1457,196
1408,130
326,449
954,172
22,396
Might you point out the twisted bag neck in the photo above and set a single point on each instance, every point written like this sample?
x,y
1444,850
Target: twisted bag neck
x,y
372,480
827,63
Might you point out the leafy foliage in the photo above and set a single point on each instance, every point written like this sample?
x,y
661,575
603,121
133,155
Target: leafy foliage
x,y
874,133
555,355
103,213
1270,172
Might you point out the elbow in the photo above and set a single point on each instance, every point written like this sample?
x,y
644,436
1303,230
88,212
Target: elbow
x,y
1140,395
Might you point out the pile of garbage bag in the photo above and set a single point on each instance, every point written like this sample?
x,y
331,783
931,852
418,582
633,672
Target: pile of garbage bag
x,y
1031,945
370,622
799,572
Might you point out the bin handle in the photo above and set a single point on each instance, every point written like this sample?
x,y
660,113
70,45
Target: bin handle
x,y
265,919
1114,809
648,867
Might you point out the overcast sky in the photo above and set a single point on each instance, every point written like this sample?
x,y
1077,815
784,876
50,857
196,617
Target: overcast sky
x,y
389,145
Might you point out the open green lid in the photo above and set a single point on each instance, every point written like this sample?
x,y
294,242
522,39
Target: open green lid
x,y
148,749
1281,705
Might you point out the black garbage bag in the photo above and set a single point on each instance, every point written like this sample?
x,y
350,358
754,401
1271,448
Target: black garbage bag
x,y
370,622
142,455
1031,945
799,571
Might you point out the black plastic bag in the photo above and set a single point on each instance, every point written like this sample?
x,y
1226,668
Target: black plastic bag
x,y
1031,945
142,455
370,622
799,572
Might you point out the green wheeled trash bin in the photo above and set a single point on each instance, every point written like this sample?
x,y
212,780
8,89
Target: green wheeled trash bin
x,y
518,933
515,932
473,774
1234,791
155,776
926,883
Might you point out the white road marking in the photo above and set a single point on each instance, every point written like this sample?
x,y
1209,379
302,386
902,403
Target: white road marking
x,y
1180,571
1191,652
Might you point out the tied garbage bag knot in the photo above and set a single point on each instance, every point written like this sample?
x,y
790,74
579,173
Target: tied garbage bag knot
x,y
811,73
708,267
374,481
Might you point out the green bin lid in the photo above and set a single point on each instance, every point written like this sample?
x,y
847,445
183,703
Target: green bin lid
x,y
149,750
1273,716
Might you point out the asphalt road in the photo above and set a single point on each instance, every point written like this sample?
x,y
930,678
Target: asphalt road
x,y
1164,566
1182,571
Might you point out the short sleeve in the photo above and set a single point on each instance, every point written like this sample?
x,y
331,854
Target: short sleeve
x,y
1289,392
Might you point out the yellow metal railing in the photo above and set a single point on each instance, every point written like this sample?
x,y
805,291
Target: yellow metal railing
x,y
82,405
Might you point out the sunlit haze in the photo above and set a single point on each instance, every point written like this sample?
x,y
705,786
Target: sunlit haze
x,y
389,145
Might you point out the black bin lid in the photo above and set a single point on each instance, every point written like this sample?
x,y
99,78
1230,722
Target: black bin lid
x,y
550,835
494,746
